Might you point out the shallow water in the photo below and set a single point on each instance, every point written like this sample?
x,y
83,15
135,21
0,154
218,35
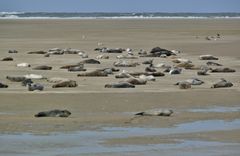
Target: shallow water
x,y
89,142
216,109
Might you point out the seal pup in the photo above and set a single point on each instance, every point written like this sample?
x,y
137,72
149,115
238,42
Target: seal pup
x,y
222,84
156,112
147,78
16,78
42,67
54,113
207,57
3,85
96,73
7,59
123,74
23,65
223,70
34,76
119,85
67,83
181,60
36,86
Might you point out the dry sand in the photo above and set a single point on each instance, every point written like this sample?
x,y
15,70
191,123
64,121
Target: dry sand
x,y
92,105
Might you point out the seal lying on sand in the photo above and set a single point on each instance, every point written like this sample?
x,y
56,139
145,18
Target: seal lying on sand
x,y
207,57
76,68
54,113
23,64
16,78
181,60
192,81
126,57
136,81
102,57
34,76
156,112
36,86
73,65
97,73
209,63
26,82
123,63
148,61
174,71
184,85
7,59
12,51
90,61
120,85
147,78
3,85
223,70
222,84
42,67
57,79
150,69
185,65
69,83
109,50
37,52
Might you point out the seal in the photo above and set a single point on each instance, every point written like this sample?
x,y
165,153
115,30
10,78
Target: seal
x,y
150,61
102,57
36,86
128,56
7,59
3,85
192,81
67,83
175,70
222,84
156,112
150,69
37,52
42,67
210,63
23,64
12,51
70,66
54,113
90,61
34,76
120,85
223,70
56,79
123,63
207,57
76,68
136,81
184,85
16,78
26,82
97,73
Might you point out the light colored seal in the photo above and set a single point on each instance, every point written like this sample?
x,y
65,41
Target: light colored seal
x,y
23,65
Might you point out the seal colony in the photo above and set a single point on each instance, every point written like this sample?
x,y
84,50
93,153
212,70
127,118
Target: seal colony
x,y
174,65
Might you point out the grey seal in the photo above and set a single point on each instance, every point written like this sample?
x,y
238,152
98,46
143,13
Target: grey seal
x,y
66,83
223,70
16,78
156,112
7,59
90,61
222,84
3,85
36,86
54,113
96,73
42,67
120,85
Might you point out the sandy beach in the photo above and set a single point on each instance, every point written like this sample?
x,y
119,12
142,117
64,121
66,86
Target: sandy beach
x,y
93,106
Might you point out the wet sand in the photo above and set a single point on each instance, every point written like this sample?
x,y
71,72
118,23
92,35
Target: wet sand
x,y
94,106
